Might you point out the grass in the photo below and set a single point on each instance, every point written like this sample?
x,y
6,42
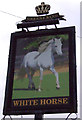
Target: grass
x,y
48,87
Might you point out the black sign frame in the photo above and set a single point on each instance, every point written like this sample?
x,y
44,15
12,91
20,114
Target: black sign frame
x,y
70,102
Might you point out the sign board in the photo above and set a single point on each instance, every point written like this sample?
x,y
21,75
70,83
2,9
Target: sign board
x,y
41,74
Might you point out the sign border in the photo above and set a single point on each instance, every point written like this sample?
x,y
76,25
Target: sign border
x,y
72,106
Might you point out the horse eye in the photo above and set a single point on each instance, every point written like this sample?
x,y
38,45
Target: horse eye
x,y
55,46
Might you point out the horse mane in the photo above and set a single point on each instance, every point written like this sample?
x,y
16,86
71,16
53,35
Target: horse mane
x,y
43,47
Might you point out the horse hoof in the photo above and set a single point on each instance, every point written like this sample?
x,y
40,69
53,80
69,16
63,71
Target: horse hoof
x,y
58,87
29,88
39,90
33,88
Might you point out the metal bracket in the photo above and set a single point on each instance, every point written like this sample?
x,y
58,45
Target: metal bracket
x,y
38,116
5,116
72,118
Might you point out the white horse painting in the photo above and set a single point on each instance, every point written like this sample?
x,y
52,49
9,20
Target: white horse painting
x,y
41,60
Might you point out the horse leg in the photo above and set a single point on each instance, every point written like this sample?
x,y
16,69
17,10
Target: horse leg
x,y
32,73
30,78
57,78
41,77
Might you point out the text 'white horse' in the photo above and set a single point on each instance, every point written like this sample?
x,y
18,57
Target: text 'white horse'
x,y
41,60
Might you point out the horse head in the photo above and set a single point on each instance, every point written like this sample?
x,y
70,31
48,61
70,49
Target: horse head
x,y
57,46
54,43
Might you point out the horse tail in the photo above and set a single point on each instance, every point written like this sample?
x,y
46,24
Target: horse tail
x,y
22,70
22,64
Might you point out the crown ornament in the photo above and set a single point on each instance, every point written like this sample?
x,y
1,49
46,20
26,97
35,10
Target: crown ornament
x,y
33,21
42,9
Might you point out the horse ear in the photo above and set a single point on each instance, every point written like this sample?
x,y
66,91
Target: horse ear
x,y
54,39
60,38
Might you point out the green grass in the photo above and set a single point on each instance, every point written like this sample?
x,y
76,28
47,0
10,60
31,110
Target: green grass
x,y
48,87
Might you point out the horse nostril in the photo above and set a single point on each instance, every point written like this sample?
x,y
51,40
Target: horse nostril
x,y
61,53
